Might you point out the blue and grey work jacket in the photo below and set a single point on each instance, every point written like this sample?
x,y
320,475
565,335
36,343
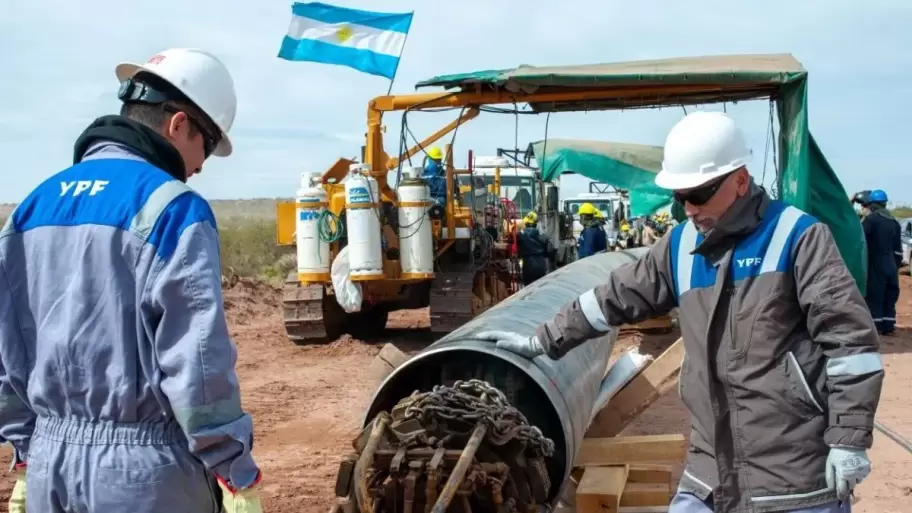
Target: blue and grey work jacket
x,y
111,311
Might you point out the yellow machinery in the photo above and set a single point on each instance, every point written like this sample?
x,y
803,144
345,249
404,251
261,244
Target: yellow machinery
x,y
474,264
474,257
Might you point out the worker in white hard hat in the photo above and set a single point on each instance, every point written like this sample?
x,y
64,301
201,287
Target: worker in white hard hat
x,y
782,375
118,389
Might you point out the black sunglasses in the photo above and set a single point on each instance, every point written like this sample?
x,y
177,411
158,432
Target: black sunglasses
x,y
209,140
700,195
140,92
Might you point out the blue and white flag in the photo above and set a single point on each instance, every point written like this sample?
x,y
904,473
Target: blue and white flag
x,y
366,41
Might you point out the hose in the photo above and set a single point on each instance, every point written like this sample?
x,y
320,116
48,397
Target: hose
x,y
892,435
330,227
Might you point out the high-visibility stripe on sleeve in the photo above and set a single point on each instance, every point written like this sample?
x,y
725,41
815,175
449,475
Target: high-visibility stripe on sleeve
x,y
593,312
854,365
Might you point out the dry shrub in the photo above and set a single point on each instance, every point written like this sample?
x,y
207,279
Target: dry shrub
x,y
248,249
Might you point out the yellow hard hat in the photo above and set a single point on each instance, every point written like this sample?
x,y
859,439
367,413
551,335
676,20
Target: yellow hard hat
x,y
435,153
531,218
625,227
587,209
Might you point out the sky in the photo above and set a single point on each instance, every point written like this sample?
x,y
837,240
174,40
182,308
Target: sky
x,y
58,59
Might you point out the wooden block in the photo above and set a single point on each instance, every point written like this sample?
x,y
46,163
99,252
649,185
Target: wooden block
x,y
600,489
649,473
378,369
386,361
631,449
392,355
646,494
657,322
640,393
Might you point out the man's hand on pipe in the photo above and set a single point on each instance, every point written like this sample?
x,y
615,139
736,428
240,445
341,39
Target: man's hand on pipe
x,y
527,347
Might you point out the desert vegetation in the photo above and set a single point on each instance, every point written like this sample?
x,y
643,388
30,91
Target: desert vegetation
x,y
248,244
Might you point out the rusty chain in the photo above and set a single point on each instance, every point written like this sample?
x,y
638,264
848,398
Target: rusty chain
x,y
474,401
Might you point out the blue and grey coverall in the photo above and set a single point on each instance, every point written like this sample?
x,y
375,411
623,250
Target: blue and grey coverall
x,y
117,380
592,240
883,236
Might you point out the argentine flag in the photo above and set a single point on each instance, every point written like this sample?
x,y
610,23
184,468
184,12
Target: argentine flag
x,y
366,41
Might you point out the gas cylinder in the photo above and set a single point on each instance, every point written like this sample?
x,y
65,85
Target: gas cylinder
x,y
313,252
362,218
416,242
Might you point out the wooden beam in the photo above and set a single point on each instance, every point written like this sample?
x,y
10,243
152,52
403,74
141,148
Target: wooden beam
x,y
648,324
386,362
631,449
646,494
649,473
640,393
600,489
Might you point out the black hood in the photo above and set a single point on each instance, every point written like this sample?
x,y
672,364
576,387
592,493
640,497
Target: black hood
x,y
138,138
880,210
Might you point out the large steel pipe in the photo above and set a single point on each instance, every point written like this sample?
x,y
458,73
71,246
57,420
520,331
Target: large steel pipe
x,y
556,396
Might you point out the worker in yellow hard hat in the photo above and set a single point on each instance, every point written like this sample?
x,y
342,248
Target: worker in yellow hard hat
x,y
593,238
435,176
534,249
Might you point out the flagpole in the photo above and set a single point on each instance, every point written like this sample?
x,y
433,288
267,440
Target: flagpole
x,y
404,42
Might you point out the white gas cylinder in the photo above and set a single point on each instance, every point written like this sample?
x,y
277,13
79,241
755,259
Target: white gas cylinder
x,y
362,219
313,252
416,242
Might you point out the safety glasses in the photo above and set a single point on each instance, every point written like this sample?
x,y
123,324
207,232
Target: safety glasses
x,y
140,92
700,195
209,141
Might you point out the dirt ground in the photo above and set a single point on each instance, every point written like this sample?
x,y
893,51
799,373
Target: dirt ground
x,y
307,402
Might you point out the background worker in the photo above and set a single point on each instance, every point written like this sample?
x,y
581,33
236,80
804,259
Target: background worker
x,y
593,238
435,176
883,236
650,234
118,388
782,374
534,249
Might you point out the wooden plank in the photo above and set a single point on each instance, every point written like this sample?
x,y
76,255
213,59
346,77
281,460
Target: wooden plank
x,y
640,393
646,494
631,449
656,322
649,473
386,362
600,489
392,355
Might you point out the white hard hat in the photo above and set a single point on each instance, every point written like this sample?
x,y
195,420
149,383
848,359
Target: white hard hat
x,y
701,147
201,77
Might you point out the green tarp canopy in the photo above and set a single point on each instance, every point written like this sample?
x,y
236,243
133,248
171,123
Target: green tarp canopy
x,y
805,178
621,165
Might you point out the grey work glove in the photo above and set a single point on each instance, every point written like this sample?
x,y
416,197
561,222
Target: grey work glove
x,y
845,468
527,347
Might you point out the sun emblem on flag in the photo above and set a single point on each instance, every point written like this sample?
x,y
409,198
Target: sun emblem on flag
x,y
344,33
